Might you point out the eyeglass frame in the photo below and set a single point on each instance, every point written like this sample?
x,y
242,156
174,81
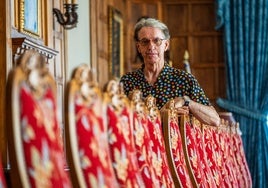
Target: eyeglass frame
x,y
145,42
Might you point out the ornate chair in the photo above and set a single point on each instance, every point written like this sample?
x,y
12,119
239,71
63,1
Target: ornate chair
x,y
194,152
239,155
159,157
232,158
214,156
121,137
142,140
35,140
174,148
219,152
86,133
210,178
230,177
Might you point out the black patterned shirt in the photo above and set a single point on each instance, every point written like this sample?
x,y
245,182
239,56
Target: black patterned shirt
x,y
171,83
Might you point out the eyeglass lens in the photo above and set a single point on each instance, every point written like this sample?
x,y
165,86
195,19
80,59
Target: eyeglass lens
x,y
146,42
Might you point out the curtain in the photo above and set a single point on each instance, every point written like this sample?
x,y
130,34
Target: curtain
x,y
245,35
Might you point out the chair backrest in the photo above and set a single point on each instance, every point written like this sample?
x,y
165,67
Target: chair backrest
x,y
239,156
142,140
174,147
230,176
121,138
210,178
86,132
35,140
214,156
191,144
219,150
159,157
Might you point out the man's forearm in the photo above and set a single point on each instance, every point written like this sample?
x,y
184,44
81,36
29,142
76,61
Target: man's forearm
x,y
206,114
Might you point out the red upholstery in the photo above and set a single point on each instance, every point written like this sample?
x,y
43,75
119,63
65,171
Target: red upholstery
x,y
174,147
202,154
93,146
239,155
193,155
86,133
220,157
42,140
142,140
178,155
121,140
35,136
227,160
235,148
214,158
237,176
160,162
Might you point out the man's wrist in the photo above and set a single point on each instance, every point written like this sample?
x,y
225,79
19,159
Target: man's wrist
x,y
187,100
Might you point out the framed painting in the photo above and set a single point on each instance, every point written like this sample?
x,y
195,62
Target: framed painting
x,y
30,17
116,58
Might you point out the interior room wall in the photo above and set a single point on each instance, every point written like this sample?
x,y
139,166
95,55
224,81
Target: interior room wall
x,y
78,39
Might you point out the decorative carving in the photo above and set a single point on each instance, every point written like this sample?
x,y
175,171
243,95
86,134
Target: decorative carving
x,y
20,45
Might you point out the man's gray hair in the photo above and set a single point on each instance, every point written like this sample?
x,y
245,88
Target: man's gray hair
x,y
150,22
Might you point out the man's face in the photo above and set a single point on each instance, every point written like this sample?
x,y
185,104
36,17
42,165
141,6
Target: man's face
x,y
152,45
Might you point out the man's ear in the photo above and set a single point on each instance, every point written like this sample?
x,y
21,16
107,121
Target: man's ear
x,y
167,45
138,47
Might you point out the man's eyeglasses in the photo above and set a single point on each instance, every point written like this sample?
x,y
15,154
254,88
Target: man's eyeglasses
x,y
146,42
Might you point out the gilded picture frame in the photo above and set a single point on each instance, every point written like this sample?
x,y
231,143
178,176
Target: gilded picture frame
x,y
116,54
30,17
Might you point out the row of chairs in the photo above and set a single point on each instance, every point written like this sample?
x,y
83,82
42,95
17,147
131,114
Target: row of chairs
x,y
204,156
111,140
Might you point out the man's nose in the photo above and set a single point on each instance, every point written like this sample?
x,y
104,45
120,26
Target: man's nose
x,y
151,44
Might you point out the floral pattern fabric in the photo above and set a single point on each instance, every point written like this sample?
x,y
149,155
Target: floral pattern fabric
x,y
42,140
240,157
160,162
143,146
93,145
214,158
203,155
227,160
194,157
178,154
171,83
121,143
221,157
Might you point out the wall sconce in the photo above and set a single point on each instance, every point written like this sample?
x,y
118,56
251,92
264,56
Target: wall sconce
x,y
71,16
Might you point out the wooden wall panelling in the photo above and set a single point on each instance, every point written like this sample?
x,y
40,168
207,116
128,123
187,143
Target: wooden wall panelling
x,y
99,36
191,25
99,40
6,56
102,42
94,37
48,23
135,10
58,65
